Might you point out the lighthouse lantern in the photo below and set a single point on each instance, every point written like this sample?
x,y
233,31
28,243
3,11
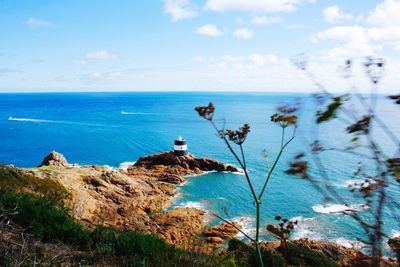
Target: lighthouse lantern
x,y
180,147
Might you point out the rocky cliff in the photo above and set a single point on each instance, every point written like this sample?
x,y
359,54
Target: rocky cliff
x,y
132,199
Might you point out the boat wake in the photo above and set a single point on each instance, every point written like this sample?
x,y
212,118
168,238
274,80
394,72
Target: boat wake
x,y
136,113
29,119
56,121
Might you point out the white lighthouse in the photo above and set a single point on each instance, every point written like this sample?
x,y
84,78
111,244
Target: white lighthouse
x,y
180,147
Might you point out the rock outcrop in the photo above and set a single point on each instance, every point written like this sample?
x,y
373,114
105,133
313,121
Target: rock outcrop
x,y
185,165
224,230
132,199
216,235
342,255
54,159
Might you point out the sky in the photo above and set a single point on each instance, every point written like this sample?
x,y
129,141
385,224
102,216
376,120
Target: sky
x,y
194,45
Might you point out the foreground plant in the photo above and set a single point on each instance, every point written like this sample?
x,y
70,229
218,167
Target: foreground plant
x,y
376,168
284,118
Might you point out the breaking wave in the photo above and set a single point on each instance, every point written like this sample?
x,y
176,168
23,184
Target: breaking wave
x,y
307,228
192,204
125,165
349,243
338,208
247,224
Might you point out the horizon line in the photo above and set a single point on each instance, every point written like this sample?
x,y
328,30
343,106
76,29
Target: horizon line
x,y
179,91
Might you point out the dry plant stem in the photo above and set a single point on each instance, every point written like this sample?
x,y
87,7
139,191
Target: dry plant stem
x,y
374,231
283,146
257,199
237,159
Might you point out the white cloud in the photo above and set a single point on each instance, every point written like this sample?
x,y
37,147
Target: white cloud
x,y
252,5
179,9
359,34
80,62
35,23
376,31
343,33
198,58
250,62
209,30
354,49
261,60
103,54
264,20
385,14
243,33
333,13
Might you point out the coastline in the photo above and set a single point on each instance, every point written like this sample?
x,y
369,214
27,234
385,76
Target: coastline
x,y
142,198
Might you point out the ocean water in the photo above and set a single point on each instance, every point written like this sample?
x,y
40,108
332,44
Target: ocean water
x,y
115,129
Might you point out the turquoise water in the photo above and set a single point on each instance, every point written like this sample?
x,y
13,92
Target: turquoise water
x,y
113,128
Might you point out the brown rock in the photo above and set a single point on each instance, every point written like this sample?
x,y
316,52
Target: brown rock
x,y
54,159
180,225
214,240
271,244
132,199
225,230
342,255
185,165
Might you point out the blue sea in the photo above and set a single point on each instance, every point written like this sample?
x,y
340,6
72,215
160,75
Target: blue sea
x,y
117,128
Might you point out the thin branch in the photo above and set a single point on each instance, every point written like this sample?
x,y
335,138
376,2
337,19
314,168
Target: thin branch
x,y
275,163
238,160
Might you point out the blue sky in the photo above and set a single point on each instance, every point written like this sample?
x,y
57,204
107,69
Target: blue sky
x,y
188,45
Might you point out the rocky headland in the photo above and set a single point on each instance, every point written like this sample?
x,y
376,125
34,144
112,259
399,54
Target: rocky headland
x,y
137,198
132,199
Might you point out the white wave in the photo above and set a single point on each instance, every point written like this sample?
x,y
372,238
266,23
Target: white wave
x,y
356,183
240,172
349,243
338,208
199,174
248,226
307,228
192,204
395,233
125,165
135,113
28,119
349,183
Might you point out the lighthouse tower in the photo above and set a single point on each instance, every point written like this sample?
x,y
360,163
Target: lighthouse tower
x,y
180,147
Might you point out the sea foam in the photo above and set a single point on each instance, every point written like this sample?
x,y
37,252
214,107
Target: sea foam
x,y
307,228
125,165
338,208
247,224
349,243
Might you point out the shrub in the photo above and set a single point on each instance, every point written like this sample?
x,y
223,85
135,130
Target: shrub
x,y
148,249
16,180
246,255
302,256
40,216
